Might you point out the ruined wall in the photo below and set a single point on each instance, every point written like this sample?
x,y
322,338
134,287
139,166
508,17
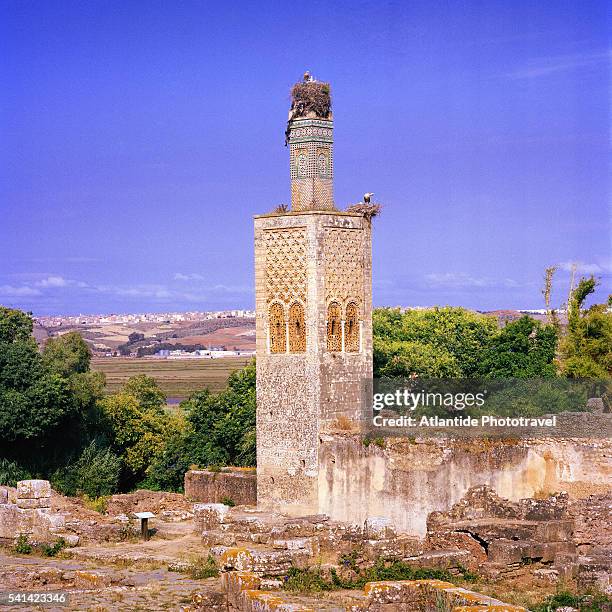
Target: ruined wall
x,y
238,485
406,480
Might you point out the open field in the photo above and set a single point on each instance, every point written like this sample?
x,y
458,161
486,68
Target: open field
x,y
232,333
178,378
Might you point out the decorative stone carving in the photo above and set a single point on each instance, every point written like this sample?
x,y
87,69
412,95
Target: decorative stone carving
x,y
343,253
285,265
278,336
297,328
351,328
334,327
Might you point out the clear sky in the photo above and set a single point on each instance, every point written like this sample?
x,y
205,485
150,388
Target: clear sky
x,y
139,138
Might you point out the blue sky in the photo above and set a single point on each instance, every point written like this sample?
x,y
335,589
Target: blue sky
x,y
139,138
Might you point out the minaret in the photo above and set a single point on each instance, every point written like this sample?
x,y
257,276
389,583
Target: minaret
x,y
310,139
314,316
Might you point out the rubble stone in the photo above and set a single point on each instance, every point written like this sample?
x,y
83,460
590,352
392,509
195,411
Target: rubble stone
x,y
379,528
209,516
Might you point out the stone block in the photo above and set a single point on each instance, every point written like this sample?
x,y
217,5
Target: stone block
x,y
441,559
548,574
595,572
511,552
218,538
3,495
555,531
263,562
33,489
309,545
388,550
71,539
379,528
33,503
209,516
91,580
239,485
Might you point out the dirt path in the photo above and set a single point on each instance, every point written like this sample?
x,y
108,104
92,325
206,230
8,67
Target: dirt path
x,y
115,576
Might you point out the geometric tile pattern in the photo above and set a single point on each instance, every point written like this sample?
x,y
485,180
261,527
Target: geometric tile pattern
x,y
343,250
285,265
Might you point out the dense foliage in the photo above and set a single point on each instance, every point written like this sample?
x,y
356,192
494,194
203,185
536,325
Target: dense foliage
x,y
457,343
219,430
586,348
46,400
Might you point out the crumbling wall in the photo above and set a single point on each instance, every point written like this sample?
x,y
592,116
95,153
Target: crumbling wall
x,y
237,485
27,510
406,479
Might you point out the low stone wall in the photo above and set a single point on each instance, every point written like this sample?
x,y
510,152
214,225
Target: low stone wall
x,y
27,510
236,484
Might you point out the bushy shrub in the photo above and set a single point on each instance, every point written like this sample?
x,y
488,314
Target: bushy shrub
x,y
22,546
11,473
51,550
95,473
167,470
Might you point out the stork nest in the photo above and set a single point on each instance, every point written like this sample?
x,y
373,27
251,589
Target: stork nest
x,y
311,96
280,209
369,211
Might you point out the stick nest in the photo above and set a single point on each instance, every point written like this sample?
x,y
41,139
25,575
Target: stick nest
x,y
369,211
311,96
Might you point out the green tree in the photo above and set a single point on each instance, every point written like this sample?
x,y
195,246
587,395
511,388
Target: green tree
x,y
219,430
435,342
67,354
146,391
135,337
522,349
15,325
586,348
44,401
94,473
222,424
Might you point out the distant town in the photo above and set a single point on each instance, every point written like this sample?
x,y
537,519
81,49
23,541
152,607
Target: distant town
x,y
143,317
185,335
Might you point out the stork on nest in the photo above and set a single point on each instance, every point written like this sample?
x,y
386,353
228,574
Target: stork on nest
x,y
367,208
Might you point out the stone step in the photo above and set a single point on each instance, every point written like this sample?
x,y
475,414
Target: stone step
x,y
260,562
520,551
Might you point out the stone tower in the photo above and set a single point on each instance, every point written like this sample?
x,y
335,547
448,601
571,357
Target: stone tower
x,y
314,323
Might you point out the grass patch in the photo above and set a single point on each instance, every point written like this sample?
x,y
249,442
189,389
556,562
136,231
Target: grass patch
x,y
584,603
380,442
309,580
97,504
22,546
228,501
312,580
201,568
51,550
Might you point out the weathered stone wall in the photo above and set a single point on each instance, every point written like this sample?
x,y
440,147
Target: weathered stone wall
x,y
238,485
27,510
406,480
